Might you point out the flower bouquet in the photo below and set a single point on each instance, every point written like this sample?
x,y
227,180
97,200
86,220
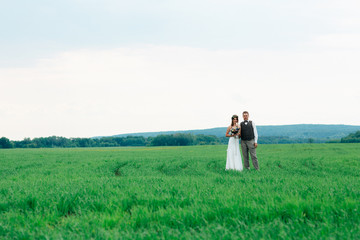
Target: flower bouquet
x,y
234,130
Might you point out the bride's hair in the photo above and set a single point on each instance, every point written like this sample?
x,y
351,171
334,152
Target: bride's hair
x,y
232,118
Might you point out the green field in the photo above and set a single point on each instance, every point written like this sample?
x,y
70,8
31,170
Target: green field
x,y
303,191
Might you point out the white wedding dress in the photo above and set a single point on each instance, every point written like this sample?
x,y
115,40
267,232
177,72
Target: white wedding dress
x,y
233,159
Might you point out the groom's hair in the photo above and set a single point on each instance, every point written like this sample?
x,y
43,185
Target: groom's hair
x,y
245,112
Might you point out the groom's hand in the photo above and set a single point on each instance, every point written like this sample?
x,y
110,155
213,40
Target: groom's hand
x,y
255,144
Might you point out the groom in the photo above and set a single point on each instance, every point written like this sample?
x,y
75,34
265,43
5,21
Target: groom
x,y
249,139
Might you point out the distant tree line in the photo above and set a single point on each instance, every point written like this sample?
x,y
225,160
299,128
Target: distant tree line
x,y
288,140
177,139
62,142
352,138
183,139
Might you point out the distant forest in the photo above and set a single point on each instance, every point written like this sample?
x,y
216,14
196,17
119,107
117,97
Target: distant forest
x,y
322,132
177,139
352,138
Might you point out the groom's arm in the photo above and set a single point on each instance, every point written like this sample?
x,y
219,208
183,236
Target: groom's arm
x,y
255,134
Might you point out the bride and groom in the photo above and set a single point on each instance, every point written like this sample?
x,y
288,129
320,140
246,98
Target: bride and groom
x,y
246,131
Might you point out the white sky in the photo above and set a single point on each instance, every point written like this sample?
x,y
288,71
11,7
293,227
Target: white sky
x,y
90,68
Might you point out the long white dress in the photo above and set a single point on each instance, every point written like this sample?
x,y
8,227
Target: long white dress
x,y
233,158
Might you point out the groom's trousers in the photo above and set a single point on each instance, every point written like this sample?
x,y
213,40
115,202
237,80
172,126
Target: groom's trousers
x,y
246,147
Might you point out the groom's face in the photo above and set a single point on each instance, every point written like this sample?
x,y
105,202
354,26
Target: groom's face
x,y
246,116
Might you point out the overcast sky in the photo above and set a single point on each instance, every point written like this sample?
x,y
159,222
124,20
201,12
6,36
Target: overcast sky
x,y
77,68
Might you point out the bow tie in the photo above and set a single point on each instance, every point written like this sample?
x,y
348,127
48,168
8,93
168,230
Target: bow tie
x,y
246,121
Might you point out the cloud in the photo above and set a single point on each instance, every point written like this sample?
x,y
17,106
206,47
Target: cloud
x,y
349,22
91,92
337,41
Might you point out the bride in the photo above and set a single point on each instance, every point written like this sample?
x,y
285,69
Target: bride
x,y
233,159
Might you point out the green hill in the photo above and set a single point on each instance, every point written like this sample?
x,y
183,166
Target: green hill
x,y
299,131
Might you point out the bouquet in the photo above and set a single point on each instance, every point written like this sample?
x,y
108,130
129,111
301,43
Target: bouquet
x,y
234,130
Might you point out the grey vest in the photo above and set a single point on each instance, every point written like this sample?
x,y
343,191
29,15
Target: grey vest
x,y
247,131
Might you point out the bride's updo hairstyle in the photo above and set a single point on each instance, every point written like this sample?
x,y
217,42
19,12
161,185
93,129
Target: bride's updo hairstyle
x,y
233,117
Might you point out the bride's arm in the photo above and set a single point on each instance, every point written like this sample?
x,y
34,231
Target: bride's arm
x,y
227,132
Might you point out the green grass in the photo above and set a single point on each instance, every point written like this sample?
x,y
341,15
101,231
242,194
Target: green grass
x,y
305,191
